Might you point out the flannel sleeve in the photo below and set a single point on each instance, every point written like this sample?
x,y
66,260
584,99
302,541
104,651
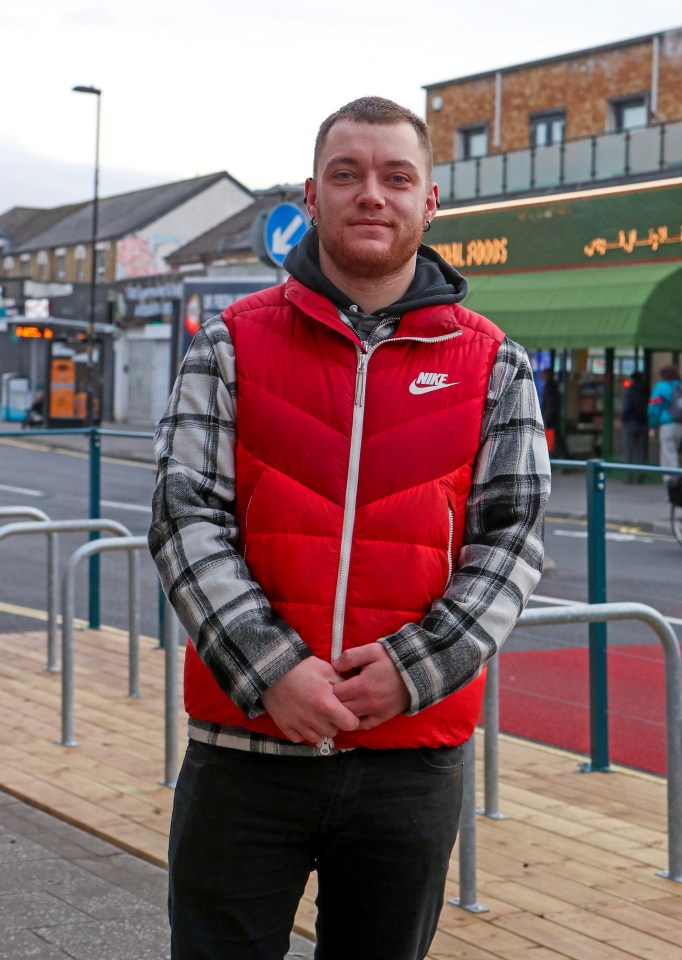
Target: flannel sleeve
x,y
194,536
501,558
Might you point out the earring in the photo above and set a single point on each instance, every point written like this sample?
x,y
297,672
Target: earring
x,y
427,226
313,222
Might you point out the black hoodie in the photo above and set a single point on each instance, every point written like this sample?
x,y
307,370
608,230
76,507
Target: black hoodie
x,y
435,281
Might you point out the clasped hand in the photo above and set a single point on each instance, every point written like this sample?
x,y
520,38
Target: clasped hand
x,y
315,699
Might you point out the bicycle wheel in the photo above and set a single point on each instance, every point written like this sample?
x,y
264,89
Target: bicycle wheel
x,y
676,522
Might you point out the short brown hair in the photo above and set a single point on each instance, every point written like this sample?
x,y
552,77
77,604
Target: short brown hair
x,y
375,110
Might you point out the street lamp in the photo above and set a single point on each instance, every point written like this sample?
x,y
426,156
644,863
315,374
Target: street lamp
x,y
90,326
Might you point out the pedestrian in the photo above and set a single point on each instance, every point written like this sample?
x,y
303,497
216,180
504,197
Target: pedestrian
x,y
634,419
550,406
348,522
661,418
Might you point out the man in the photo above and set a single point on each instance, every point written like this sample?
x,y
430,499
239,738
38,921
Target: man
x,y
348,521
633,417
661,418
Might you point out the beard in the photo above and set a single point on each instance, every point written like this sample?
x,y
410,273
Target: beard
x,y
355,259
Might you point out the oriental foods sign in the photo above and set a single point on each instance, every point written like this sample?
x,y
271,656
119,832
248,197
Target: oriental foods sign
x,y
638,224
478,253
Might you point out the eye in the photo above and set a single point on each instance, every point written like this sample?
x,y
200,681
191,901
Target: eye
x,y
399,178
343,175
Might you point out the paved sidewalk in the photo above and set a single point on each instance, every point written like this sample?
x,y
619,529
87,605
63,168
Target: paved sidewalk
x,y
66,893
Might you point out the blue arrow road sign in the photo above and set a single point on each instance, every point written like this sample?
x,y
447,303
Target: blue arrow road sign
x,y
284,227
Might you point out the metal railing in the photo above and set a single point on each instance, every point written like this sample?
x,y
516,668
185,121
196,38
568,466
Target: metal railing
x,y
579,613
171,712
32,513
654,150
130,544
51,528
94,437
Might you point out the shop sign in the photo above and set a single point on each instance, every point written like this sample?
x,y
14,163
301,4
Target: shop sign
x,y
617,226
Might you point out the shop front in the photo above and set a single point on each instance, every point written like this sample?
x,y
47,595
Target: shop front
x,y
589,283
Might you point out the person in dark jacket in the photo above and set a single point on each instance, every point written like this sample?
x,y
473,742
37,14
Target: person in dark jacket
x,y
550,407
634,419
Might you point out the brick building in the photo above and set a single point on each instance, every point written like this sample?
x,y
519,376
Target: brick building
x,y
561,190
594,116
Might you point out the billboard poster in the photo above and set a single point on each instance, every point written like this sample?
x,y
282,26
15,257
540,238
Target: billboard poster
x,y
203,298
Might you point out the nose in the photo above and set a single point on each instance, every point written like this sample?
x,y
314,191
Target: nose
x,y
370,193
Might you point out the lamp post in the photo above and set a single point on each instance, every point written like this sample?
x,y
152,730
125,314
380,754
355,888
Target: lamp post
x,y
94,567
90,326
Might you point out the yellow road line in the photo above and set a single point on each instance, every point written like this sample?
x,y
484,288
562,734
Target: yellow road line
x,y
43,448
41,615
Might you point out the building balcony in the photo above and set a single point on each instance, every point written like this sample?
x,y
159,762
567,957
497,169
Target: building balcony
x,y
574,164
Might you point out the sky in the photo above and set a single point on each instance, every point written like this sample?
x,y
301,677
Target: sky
x,y
191,87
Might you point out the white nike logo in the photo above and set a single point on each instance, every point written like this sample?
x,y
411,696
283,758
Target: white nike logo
x,y
426,382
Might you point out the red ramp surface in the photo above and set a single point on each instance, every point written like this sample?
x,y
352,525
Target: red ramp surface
x,y
544,696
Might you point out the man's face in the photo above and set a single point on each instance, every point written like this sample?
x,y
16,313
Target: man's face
x,y
371,197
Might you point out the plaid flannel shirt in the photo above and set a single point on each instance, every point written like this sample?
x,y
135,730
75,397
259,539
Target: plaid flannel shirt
x,y
194,542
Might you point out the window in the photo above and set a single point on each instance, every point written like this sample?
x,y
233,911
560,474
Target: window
x,y
26,264
80,264
547,130
8,265
100,265
59,263
629,113
473,142
42,261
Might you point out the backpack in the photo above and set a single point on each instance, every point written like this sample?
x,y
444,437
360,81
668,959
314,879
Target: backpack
x,y
675,408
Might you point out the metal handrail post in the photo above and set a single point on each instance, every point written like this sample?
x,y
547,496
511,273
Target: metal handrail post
x,y
595,478
34,513
491,741
586,613
467,834
128,543
51,528
52,600
170,633
133,624
95,444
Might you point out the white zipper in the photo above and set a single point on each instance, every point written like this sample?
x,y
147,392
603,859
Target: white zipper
x,y
352,481
451,530
350,502
324,746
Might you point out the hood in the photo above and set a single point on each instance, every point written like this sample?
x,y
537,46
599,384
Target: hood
x,y
435,281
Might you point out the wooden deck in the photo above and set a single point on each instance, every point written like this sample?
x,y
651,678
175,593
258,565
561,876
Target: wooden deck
x,y
570,874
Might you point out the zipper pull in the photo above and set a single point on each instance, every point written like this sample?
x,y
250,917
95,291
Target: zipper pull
x,y
360,379
325,746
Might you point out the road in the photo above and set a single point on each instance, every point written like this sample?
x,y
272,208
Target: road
x,y
57,483
641,567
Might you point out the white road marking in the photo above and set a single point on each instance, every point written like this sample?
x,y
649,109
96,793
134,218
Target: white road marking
x,y
610,535
22,490
125,506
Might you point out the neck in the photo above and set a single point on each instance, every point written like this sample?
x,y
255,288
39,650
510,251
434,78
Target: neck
x,y
369,293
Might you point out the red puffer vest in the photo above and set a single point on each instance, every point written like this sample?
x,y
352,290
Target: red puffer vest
x,y
353,472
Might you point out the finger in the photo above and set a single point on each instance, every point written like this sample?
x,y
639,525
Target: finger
x,y
356,657
341,715
369,722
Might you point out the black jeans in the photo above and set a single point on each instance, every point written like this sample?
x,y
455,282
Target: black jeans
x,y
248,828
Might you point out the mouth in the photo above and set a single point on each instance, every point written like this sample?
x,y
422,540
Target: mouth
x,y
369,222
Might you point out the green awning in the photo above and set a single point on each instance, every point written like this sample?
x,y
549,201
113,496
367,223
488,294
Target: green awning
x,y
625,306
